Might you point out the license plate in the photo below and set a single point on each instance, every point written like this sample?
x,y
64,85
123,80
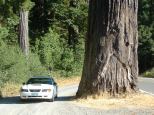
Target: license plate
x,y
34,94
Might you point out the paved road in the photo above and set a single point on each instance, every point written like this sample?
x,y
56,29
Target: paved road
x,y
63,105
146,84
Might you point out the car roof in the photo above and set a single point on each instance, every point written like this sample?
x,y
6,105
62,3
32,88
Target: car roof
x,y
42,77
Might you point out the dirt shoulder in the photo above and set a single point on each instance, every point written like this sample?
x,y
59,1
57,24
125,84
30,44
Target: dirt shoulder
x,y
133,101
67,81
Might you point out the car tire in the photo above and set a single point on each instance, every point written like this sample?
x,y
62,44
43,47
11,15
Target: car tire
x,y
22,100
52,99
56,92
56,95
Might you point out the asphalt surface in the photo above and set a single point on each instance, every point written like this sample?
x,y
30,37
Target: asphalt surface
x,y
146,84
63,105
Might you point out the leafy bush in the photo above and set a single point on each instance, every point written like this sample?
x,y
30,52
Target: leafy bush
x,y
146,35
12,66
146,47
49,49
17,68
67,62
11,25
56,55
3,33
149,73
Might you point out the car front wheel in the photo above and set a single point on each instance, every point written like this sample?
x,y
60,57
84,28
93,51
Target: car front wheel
x,y
56,95
23,100
52,99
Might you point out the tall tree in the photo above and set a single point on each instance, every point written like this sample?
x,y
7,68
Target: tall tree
x,y
111,61
26,5
24,40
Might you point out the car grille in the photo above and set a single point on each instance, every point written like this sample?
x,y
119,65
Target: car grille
x,y
34,96
35,90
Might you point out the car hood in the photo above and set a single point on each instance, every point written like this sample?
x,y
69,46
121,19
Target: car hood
x,y
37,86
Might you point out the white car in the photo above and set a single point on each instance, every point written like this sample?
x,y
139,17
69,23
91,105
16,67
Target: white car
x,y
39,88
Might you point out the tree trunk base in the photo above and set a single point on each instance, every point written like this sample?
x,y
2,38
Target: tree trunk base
x,y
111,58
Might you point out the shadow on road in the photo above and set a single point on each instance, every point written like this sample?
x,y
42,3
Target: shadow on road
x,y
65,98
10,100
16,100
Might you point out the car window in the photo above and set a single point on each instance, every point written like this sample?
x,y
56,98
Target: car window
x,y
40,81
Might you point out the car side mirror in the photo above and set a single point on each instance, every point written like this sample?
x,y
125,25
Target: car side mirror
x,y
55,83
24,83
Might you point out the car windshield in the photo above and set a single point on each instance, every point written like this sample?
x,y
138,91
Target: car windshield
x,y
39,81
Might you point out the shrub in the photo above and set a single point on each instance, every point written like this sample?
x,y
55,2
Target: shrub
x,y
17,68
146,47
49,49
149,73
67,62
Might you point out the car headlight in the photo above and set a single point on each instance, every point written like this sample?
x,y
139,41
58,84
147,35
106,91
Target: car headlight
x,y
24,90
46,90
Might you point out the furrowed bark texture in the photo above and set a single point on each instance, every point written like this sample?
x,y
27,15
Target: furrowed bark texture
x,y
24,41
111,60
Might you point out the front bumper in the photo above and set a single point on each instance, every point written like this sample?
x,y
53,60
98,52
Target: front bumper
x,y
36,95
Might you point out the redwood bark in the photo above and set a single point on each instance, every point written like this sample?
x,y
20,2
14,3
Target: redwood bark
x,y
24,40
111,60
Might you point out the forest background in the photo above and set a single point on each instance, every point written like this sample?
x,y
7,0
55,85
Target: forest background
x,y
57,31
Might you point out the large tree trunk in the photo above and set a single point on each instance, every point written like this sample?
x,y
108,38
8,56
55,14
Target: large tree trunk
x,y
111,60
24,40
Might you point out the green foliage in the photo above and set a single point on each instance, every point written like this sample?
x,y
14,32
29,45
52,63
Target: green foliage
x,y
15,67
49,39
35,67
55,56
145,41
149,73
9,64
71,21
76,17
9,20
26,5
49,49
3,33
61,49
146,47
11,25
67,62
146,35
146,15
